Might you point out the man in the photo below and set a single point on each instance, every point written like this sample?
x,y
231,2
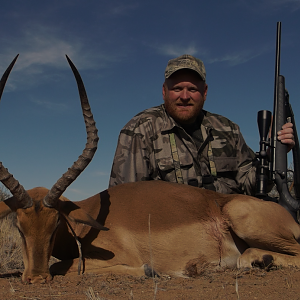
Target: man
x,y
180,142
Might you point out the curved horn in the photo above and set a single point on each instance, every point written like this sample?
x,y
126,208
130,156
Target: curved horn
x,y
84,159
6,178
5,75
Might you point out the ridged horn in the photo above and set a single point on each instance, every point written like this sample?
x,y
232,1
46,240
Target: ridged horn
x,y
17,190
85,158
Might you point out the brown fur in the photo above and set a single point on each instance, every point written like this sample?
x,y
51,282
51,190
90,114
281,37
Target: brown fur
x,y
173,229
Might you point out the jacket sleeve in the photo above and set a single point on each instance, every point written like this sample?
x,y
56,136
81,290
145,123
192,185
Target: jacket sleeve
x,y
247,162
131,160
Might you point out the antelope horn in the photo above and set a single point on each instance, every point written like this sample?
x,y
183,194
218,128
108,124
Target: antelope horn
x,y
6,178
5,75
85,158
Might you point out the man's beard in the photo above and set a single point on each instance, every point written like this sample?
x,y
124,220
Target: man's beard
x,y
181,116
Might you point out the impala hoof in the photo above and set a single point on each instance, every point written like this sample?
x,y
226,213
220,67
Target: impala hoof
x,y
37,279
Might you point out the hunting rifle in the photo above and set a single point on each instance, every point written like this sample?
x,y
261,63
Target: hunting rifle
x,y
274,166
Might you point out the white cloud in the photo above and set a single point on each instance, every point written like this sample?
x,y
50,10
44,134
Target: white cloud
x,y
39,48
60,107
101,173
265,5
123,9
47,46
232,59
177,50
235,59
243,56
292,4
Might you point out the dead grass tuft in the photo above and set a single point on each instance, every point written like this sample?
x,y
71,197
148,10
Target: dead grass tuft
x,y
10,245
91,295
10,241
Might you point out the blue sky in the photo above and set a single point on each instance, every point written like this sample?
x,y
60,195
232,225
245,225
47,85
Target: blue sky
x,y
121,49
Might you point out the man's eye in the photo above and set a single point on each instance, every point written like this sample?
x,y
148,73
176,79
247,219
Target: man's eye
x,y
176,89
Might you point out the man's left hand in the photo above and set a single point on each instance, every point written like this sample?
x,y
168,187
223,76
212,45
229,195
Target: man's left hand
x,y
286,135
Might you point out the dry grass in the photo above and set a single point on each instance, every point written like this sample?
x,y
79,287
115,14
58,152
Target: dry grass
x,y
10,241
10,246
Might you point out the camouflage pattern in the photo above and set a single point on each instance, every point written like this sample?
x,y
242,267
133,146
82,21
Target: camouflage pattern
x,y
144,152
185,62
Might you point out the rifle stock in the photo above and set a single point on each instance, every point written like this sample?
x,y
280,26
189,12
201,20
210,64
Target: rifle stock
x,y
277,162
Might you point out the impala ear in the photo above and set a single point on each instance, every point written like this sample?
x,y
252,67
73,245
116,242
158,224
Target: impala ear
x,y
7,207
74,213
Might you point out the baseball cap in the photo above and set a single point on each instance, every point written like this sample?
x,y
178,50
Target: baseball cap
x,y
185,61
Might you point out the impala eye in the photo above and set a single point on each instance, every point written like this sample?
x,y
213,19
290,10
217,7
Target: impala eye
x,y
58,221
54,231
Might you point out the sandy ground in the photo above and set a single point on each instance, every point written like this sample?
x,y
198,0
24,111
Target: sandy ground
x,y
228,284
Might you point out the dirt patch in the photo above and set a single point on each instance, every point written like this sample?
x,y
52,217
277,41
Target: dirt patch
x,y
228,284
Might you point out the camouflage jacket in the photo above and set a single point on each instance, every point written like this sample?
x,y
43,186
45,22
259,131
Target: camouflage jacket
x,y
144,152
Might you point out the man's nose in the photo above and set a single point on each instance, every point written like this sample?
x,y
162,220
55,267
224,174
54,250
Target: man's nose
x,y
185,94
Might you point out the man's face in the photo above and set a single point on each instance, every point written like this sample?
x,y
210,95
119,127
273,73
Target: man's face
x,y
184,93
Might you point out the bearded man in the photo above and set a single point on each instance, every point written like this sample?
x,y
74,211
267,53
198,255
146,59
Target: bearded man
x,y
179,141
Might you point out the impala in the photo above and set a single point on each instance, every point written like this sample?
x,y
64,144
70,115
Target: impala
x,y
149,227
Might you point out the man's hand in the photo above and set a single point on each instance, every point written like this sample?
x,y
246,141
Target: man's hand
x,y
286,135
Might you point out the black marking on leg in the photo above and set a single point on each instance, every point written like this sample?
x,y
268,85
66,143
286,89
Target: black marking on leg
x,y
265,263
149,272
